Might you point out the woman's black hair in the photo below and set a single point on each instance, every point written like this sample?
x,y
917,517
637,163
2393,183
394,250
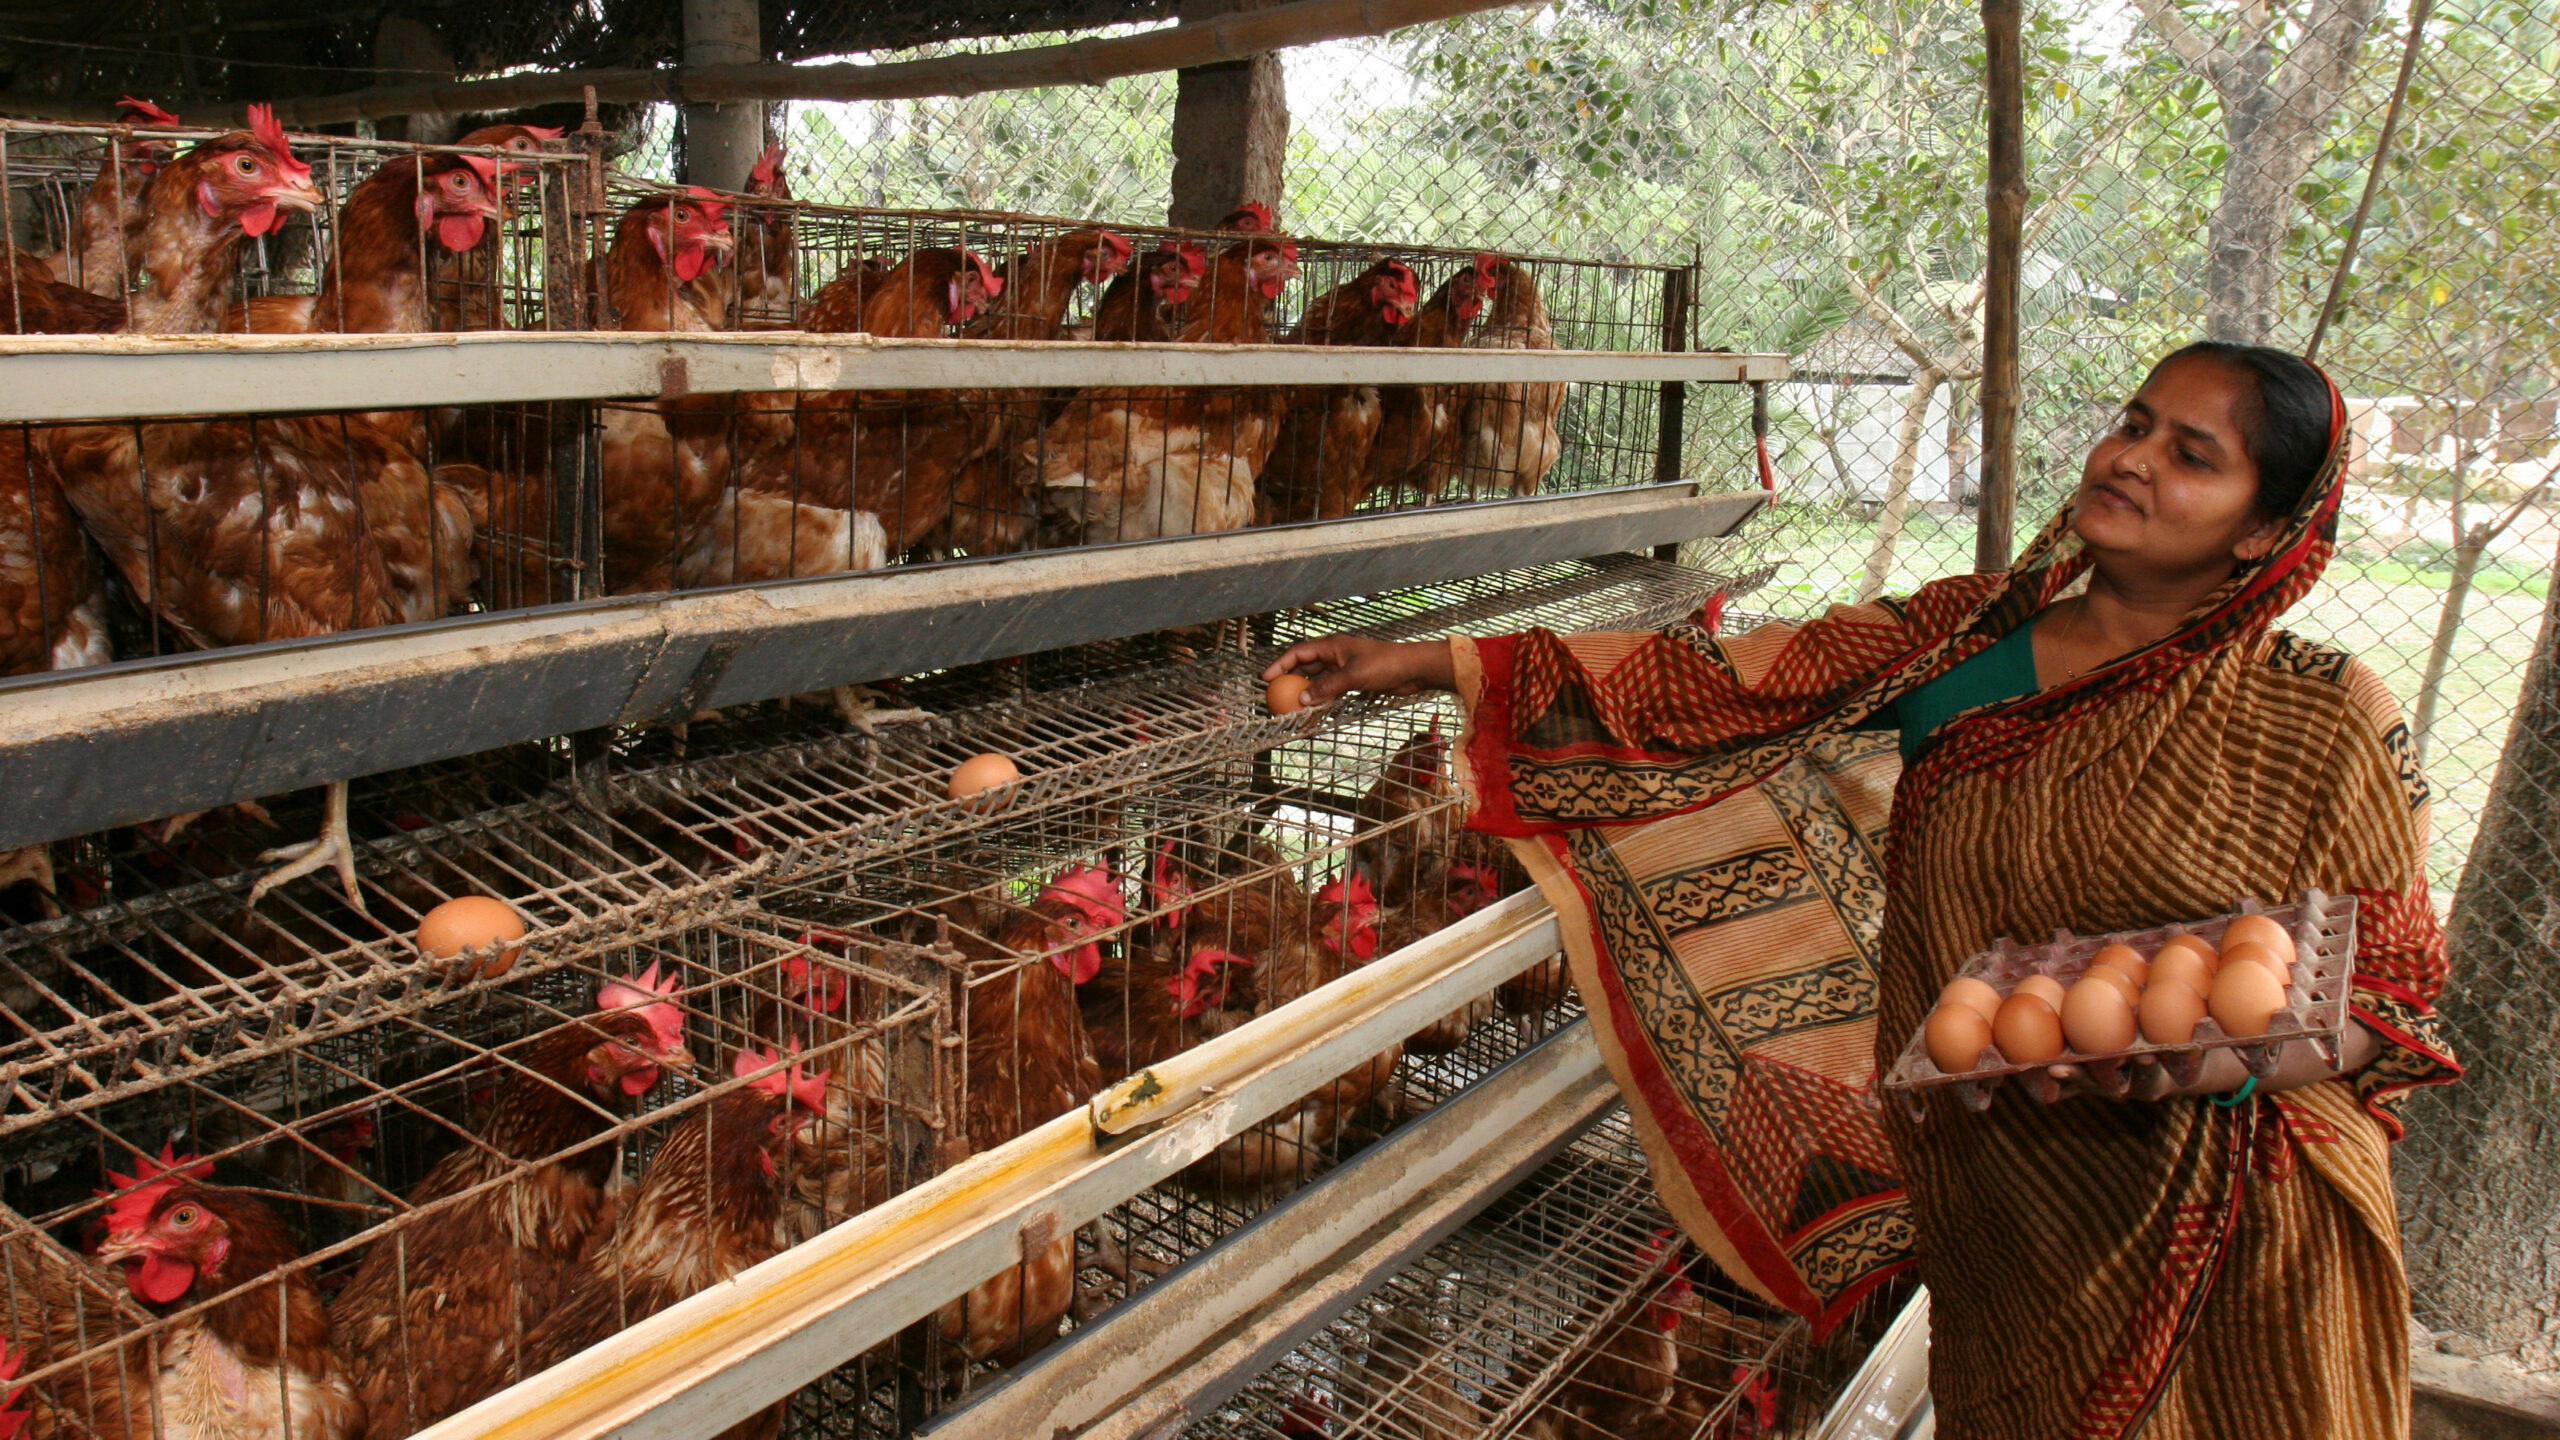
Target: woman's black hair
x,y
2284,418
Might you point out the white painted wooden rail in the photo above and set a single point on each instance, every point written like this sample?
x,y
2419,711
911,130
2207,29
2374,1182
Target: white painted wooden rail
x,y
108,377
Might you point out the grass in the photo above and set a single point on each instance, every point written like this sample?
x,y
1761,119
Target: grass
x,y
2380,607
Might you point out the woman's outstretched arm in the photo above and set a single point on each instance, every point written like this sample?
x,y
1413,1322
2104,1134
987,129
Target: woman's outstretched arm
x,y
1339,664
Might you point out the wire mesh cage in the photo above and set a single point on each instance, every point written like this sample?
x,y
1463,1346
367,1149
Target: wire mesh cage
x,y
1570,1309
777,882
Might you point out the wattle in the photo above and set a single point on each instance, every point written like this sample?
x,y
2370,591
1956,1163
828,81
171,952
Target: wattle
x,y
260,219
689,260
637,1082
159,1279
458,233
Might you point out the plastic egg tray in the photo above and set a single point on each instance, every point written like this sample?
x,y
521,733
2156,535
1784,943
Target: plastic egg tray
x,y
2315,1010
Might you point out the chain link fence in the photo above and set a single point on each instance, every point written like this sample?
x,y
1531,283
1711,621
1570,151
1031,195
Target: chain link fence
x,y
2193,167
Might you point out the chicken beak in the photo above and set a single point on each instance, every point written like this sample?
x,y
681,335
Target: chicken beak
x,y
299,195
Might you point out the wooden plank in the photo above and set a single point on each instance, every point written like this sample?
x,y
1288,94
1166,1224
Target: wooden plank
x,y
82,750
719,1356
107,377
1079,62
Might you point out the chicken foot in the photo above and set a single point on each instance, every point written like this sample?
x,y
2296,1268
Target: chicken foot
x,y
335,848
1115,1257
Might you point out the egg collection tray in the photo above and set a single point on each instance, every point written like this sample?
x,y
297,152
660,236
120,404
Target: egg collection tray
x,y
2315,1010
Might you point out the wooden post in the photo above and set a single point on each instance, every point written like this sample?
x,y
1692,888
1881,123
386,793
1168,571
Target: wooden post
x,y
1677,285
407,47
1230,127
721,140
1996,517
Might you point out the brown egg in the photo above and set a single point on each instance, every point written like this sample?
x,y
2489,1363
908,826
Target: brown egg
x,y
2127,960
1286,695
1955,1036
2244,999
2251,952
2203,948
2027,1030
2260,930
2181,967
470,922
2112,976
2097,1017
1973,995
2170,1010
981,773
2042,987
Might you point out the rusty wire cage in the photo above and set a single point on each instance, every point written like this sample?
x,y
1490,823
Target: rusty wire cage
x,y
1570,1309
793,876
768,485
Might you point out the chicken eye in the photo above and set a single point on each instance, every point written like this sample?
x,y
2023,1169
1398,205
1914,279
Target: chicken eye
x,y
245,165
682,214
185,1217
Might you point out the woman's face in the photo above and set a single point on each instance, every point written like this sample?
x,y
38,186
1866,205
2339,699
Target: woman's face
x,y
2172,488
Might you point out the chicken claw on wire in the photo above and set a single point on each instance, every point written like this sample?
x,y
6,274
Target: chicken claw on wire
x,y
860,705
335,848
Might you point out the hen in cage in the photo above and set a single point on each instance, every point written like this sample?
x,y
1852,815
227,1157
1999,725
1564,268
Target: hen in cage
x,y
436,1310
709,1206
1416,423
102,251
1326,432
1139,464
1506,438
375,280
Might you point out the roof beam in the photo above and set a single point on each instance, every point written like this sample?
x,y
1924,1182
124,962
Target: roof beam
x,y
1233,36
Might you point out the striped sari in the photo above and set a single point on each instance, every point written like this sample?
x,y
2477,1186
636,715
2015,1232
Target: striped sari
x,y
1756,943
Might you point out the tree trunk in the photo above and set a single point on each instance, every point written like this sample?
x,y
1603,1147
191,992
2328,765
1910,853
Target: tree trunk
x,y
2457,592
2272,123
1897,495
2480,1174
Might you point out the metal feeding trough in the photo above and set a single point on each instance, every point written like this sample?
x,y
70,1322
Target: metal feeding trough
x,y
2314,1013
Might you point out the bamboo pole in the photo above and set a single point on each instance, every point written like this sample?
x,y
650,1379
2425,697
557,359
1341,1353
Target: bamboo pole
x,y
1993,539
1233,36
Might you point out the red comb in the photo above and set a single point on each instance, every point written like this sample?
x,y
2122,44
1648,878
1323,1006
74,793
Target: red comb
x,y
1091,890
150,1180
482,166
143,112
543,132
1488,266
766,165
1117,246
988,279
262,124
1251,217
647,995
1190,988
713,207
1169,888
796,1085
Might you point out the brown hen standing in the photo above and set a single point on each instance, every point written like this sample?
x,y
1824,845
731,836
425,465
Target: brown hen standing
x,y
1327,431
437,1312
1137,464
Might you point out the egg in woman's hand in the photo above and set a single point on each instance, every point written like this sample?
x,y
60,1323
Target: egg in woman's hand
x,y
2180,967
2126,960
981,773
2244,1001
2042,987
1955,1036
2259,930
472,922
2169,1011
1286,695
2250,952
2200,947
2097,1017
2027,1029
2109,974
1970,994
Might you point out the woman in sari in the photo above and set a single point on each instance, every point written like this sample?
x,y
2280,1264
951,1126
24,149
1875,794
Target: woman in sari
x,y
1756,944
